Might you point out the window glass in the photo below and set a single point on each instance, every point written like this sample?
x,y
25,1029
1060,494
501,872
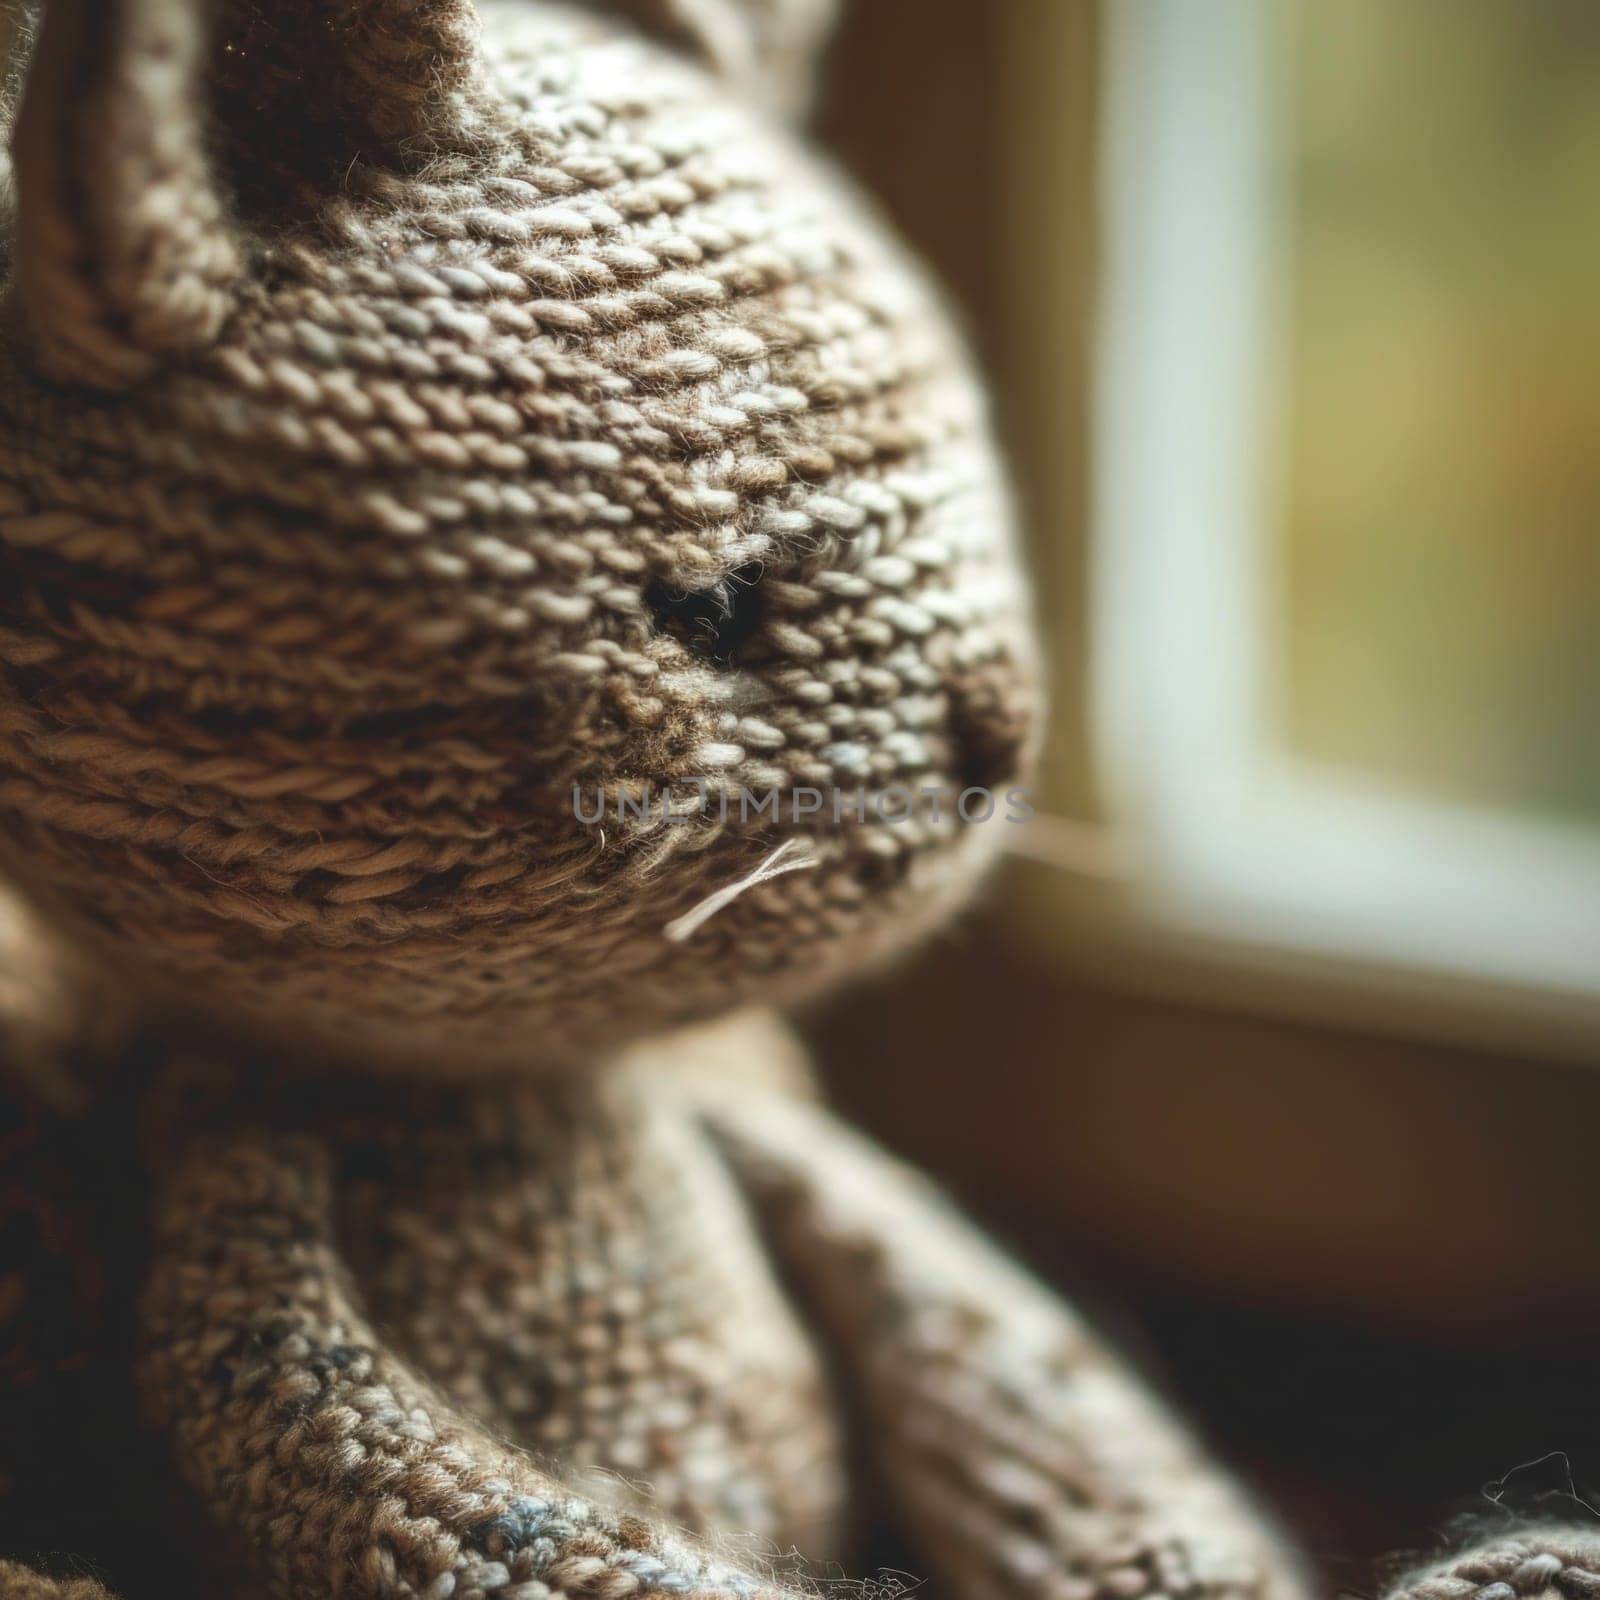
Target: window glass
x,y
1441,535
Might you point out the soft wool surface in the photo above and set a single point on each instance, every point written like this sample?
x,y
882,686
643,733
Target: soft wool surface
x,y
600,1336
407,418
507,414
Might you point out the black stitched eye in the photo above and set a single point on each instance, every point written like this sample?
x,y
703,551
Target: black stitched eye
x,y
711,622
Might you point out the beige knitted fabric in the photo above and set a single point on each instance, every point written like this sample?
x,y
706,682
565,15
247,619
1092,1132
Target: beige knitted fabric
x,y
545,423
362,1296
404,424
1025,1460
1540,1562
18,1583
668,1359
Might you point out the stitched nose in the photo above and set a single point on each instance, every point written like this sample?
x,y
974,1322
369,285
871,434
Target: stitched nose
x,y
994,714
715,622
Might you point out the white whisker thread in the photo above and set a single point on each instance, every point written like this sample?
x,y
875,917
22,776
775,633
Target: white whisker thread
x,y
684,927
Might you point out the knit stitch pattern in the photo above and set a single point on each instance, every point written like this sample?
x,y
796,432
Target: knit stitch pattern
x,y
546,423
411,419
1561,1562
358,1305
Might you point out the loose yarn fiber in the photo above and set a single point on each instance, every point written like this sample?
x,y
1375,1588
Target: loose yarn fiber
x,y
409,417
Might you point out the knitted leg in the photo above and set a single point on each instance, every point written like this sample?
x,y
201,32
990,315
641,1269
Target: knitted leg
x,y
1533,1562
320,1449
570,1263
1022,1458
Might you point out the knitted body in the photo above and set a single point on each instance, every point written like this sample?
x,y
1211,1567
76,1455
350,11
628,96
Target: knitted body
x,y
402,429
600,1333
589,1270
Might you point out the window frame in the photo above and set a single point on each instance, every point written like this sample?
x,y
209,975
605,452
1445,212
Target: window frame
x,y
1318,890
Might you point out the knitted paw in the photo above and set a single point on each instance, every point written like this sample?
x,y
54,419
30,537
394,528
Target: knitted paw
x,y
23,1583
449,1344
1022,1457
1562,1563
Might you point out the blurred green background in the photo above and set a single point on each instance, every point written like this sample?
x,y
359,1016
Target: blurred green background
x,y
1441,538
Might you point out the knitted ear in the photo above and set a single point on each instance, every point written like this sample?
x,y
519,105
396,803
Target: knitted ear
x,y
768,48
314,85
132,112
413,64
124,253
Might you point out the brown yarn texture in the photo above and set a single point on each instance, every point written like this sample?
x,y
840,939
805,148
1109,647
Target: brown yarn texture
x,y
546,420
18,1583
411,413
1539,1560
350,1316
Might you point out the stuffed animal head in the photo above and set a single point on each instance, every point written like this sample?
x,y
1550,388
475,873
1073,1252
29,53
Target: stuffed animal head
x,y
474,495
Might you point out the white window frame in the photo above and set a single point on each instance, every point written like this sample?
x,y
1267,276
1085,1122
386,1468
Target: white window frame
x,y
1343,895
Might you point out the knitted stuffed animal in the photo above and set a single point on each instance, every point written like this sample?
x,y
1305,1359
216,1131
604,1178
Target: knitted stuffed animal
x,y
414,426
